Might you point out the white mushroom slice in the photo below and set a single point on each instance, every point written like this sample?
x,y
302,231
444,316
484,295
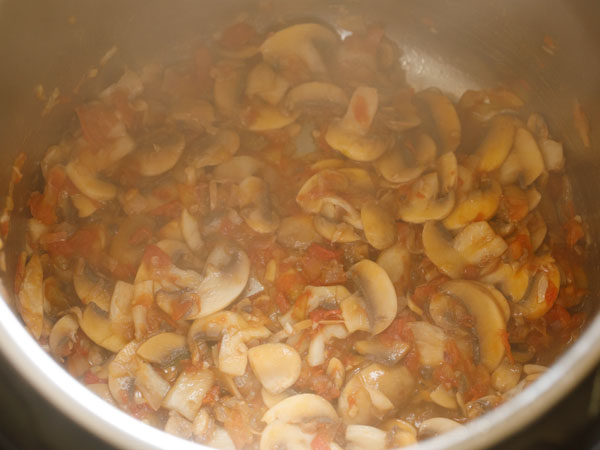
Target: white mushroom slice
x,y
441,396
489,320
237,169
316,349
277,366
447,168
215,149
225,276
423,204
221,440
512,282
542,292
380,352
227,88
498,297
436,426
196,114
62,336
91,290
506,376
163,348
536,225
439,249
298,231
121,374
336,372
359,437
327,296
120,309
143,297
85,206
478,205
525,162
333,231
445,118
395,260
255,207
190,230
263,82
158,151
379,226
178,426
233,354
278,435
264,117
430,341
377,292
402,433
376,381
478,243
354,313
270,399
212,327
152,386
349,135
553,154
404,165
301,408
315,93
310,196
497,143
97,326
188,392
88,182
301,42
31,296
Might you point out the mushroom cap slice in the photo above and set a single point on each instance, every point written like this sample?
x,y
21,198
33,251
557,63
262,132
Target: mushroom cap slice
x,y
334,232
62,335
96,325
394,167
237,168
525,163
264,117
322,184
225,276
355,146
299,41
542,292
496,144
214,150
436,426
360,437
315,93
188,392
489,319
430,341
378,225
444,116
212,327
377,292
88,182
298,231
163,348
191,231
395,260
121,373
31,296
439,249
277,366
478,205
423,204
158,151
301,408
196,114
284,435
478,243
263,82
255,208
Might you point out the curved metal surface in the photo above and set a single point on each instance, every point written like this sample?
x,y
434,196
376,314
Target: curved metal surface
x,y
452,44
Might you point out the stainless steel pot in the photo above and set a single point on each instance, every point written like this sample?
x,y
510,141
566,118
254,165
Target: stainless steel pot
x,y
454,44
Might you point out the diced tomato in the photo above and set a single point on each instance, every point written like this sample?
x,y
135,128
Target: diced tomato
x,y
237,35
290,282
282,302
320,314
322,253
155,257
551,293
557,315
320,442
97,121
43,208
140,236
212,396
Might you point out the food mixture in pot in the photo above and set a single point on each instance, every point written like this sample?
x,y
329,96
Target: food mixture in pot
x,y
278,243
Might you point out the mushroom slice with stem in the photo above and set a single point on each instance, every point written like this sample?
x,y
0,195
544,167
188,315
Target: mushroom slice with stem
x,y
316,349
90,287
190,230
158,151
377,351
212,150
150,384
490,323
277,366
542,291
401,165
444,116
334,231
497,143
299,42
233,353
96,324
164,348
301,408
225,276
479,244
31,295
264,117
430,341
477,205
88,182
255,206
423,203
119,314
359,437
298,231
377,292
315,93
378,225
395,260
436,426
512,281
188,392
265,83
62,336
349,135
212,327
121,374
284,435
439,249
525,162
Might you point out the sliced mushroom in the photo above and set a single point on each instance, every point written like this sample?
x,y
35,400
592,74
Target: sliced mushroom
x,y
212,327
191,231
479,244
490,324
271,400
506,376
377,351
158,151
335,231
188,392
553,154
316,349
277,366
430,342
301,41
525,162
315,93
439,249
215,149
233,354
120,309
542,292
436,426
62,336
97,326
310,196
395,260
31,295
121,374
423,203
264,117
349,135
150,384
298,231
284,435
88,182
255,207
164,348
513,282
301,408
90,287
402,433
228,87
265,83
237,169
441,396
225,276
379,226
360,437
196,114
85,206
478,205
377,292
406,164
444,116
497,143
